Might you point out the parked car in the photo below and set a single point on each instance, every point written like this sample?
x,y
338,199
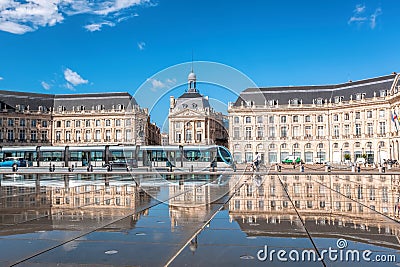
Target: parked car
x,y
291,160
14,162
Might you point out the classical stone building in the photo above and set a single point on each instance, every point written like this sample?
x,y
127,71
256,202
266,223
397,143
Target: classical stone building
x,y
193,121
25,118
335,123
74,119
104,118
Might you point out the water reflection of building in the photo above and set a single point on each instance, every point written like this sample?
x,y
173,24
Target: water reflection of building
x,y
190,200
356,206
85,204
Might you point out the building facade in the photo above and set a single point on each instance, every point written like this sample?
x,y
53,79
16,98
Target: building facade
x,y
74,119
193,121
335,123
25,118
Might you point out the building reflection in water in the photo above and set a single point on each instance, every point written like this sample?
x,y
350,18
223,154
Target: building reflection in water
x,y
328,204
85,202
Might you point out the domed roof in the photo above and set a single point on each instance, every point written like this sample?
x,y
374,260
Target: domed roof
x,y
192,76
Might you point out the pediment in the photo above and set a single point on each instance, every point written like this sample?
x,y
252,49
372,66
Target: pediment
x,y
187,113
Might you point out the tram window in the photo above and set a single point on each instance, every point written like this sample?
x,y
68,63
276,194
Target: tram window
x,y
52,156
76,156
96,155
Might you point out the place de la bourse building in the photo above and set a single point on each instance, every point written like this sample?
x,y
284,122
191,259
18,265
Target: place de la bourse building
x,y
321,123
334,123
30,119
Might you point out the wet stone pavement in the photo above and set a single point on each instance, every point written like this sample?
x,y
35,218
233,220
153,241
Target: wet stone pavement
x,y
199,220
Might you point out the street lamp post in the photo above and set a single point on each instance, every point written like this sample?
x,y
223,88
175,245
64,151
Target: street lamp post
x,y
379,155
341,155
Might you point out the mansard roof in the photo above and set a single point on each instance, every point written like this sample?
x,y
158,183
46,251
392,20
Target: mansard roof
x,y
368,87
33,100
192,100
107,100
12,99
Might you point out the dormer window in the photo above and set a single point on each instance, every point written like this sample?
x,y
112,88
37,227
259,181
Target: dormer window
x,y
40,108
382,93
338,99
295,102
194,105
360,96
120,107
272,102
184,105
320,101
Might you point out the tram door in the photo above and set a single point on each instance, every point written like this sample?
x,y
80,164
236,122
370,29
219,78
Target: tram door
x,y
85,158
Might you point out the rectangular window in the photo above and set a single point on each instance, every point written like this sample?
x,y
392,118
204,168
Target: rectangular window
x,y
97,136
198,136
283,131
271,119
88,136
369,114
236,120
128,135
178,137
118,122
382,128
77,123
336,131
271,132
347,130
358,129
22,122
370,129
308,131
97,123
296,131
58,136
259,119
248,119
87,123
128,122
118,135
236,133
283,119
382,113
22,136
11,122
320,132
358,115
10,135
33,123
33,136
44,136
108,135
248,133
260,133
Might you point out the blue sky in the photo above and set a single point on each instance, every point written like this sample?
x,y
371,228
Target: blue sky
x,y
67,46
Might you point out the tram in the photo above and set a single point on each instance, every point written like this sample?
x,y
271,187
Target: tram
x,y
196,157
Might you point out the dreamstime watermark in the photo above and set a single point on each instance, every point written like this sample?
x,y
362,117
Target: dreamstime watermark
x,y
338,254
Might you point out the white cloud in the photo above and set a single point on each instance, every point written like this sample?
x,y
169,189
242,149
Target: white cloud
x,y
73,78
1,78
108,7
19,17
373,17
359,9
45,85
141,45
359,17
97,26
158,84
12,27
